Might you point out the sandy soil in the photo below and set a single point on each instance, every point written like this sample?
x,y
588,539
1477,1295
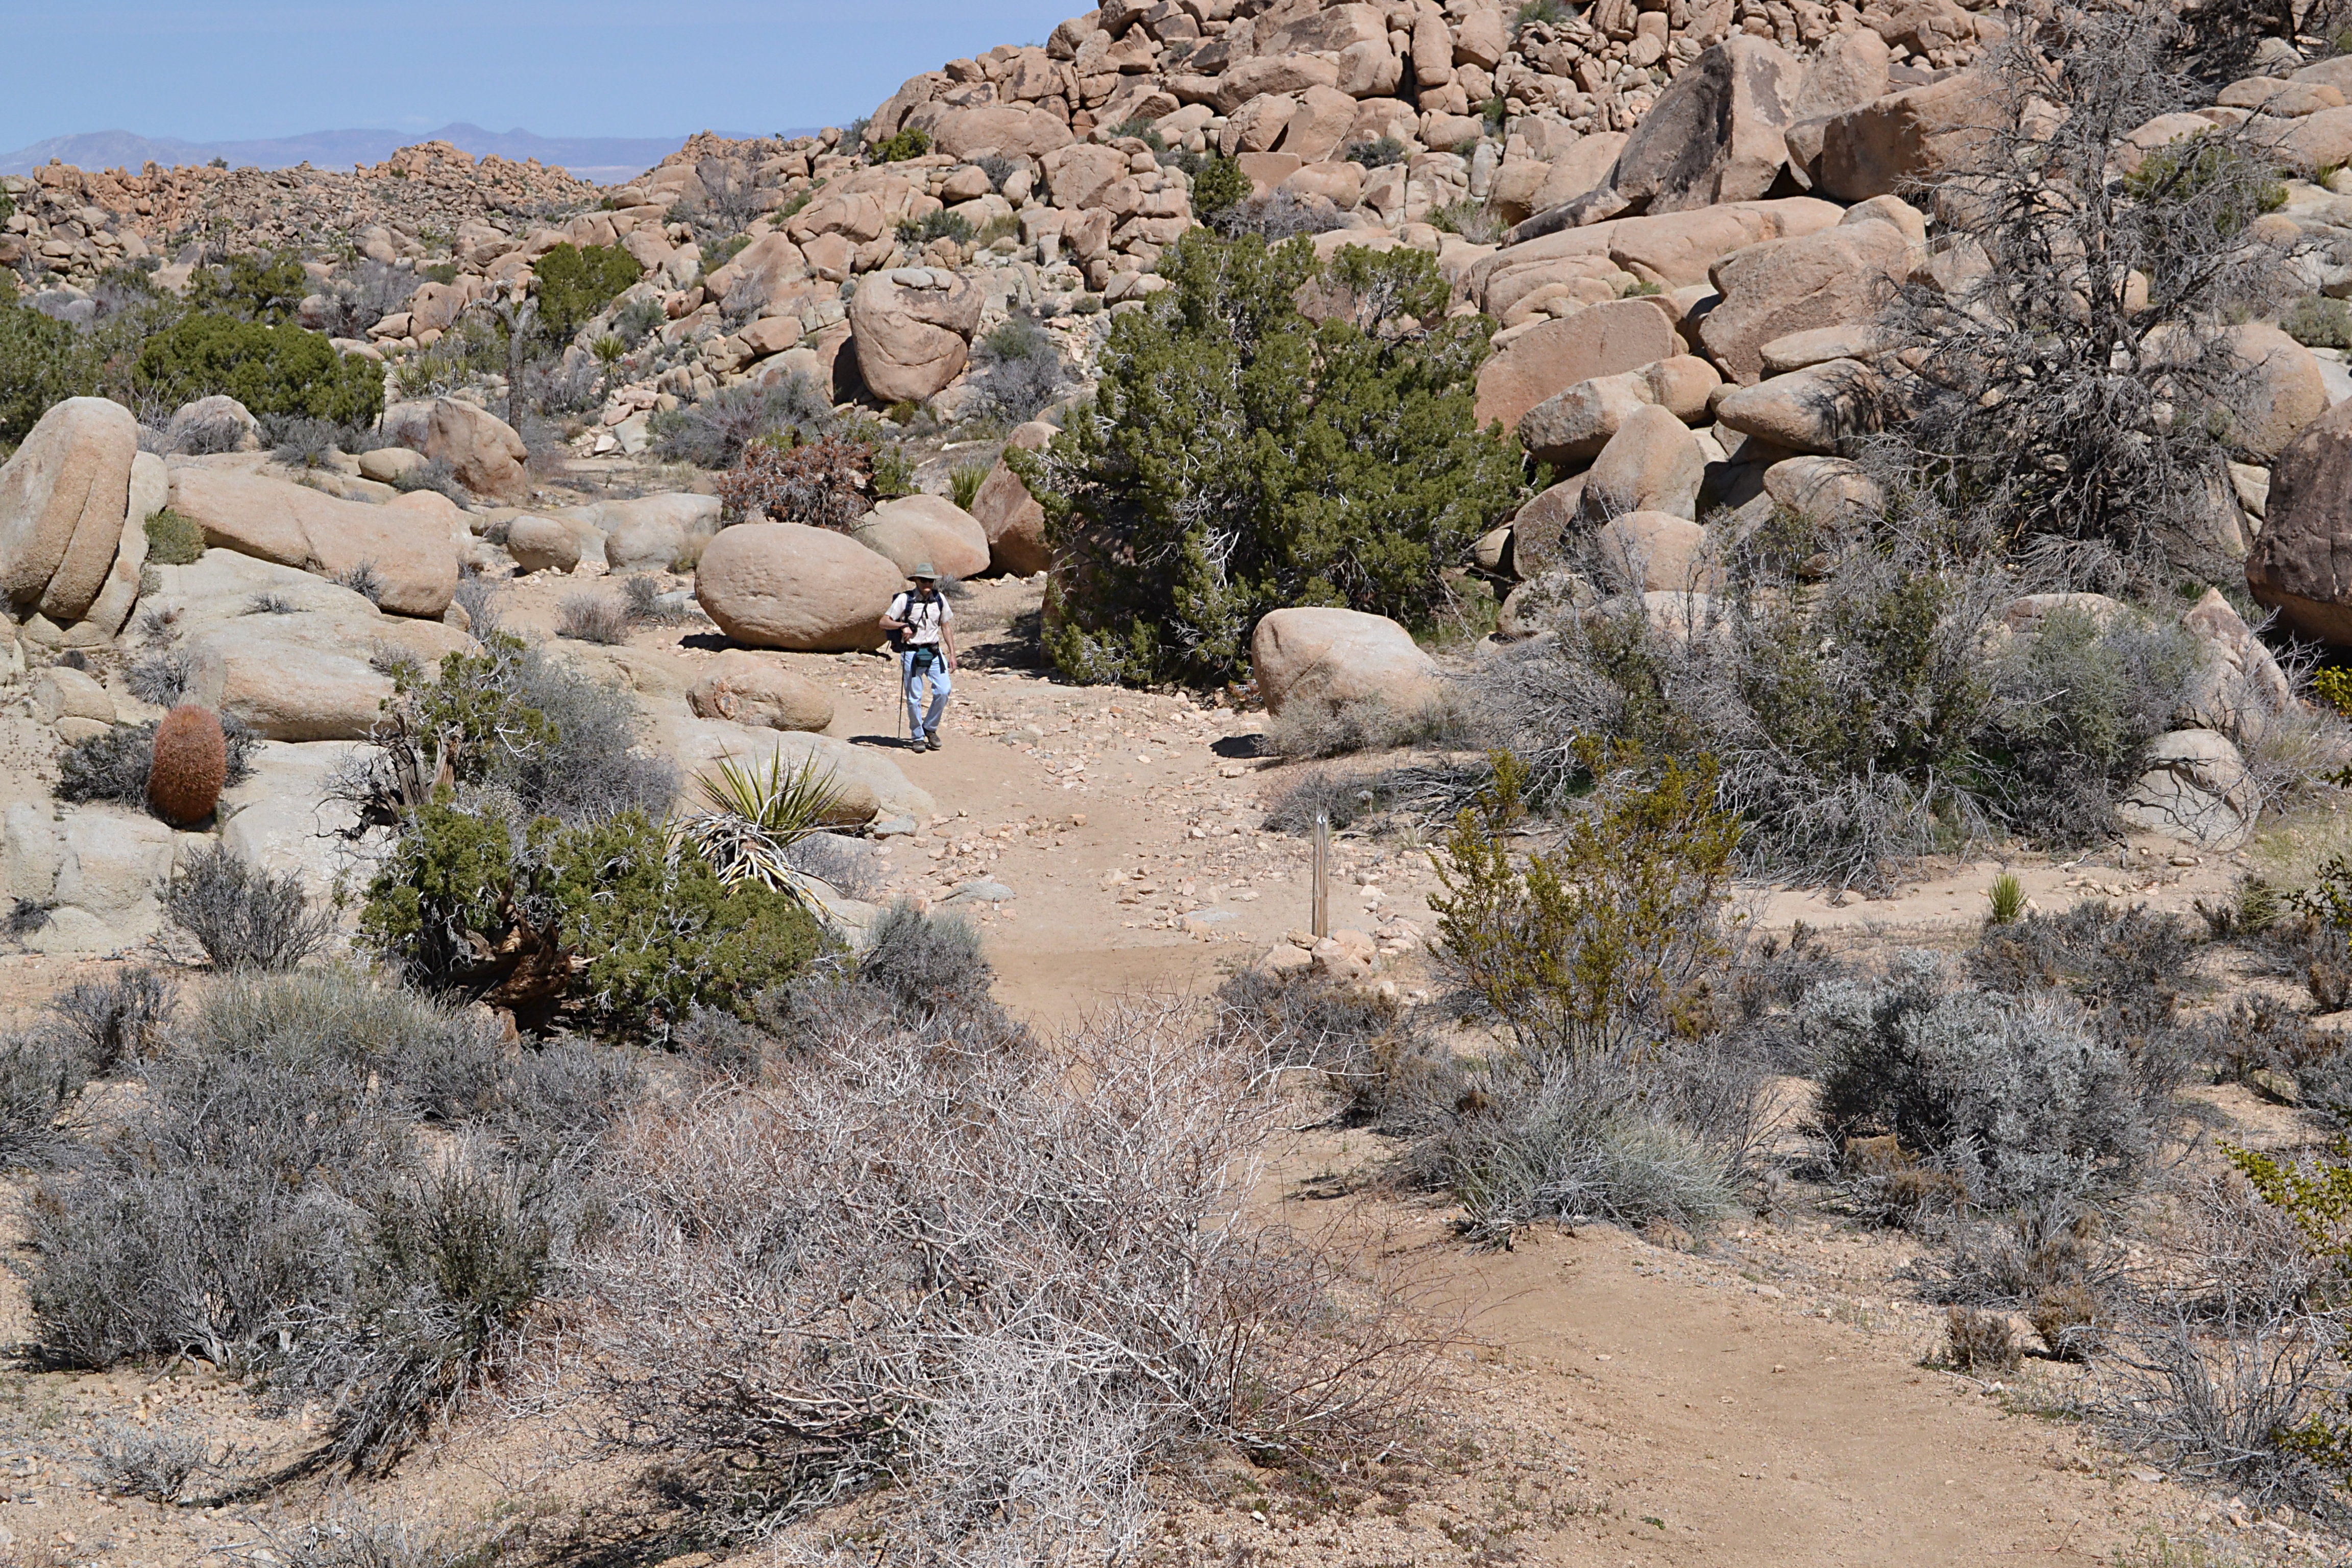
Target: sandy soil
x,y
1770,1396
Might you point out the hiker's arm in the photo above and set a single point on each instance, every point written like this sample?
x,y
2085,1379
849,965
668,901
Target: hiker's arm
x,y
946,638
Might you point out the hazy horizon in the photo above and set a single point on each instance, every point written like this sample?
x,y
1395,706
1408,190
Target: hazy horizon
x,y
255,70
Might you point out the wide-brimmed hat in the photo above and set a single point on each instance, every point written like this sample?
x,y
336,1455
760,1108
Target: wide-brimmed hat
x,y
923,573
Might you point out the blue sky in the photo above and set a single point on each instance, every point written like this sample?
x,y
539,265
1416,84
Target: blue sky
x,y
233,69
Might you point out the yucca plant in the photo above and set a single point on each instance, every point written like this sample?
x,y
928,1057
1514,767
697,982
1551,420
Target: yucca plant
x,y
964,482
753,815
2007,898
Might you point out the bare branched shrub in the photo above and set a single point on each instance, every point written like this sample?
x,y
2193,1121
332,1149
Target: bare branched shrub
x,y
2220,1401
1022,368
245,916
1108,1296
41,1074
113,1021
1362,1044
157,1462
827,483
1277,215
2076,373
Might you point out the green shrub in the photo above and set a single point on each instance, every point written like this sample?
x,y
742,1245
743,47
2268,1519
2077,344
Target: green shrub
x,y
472,902
265,288
576,282
964,481
940,224
270,369
1377,154
1219,186
894,473
2319,322
911,142
1240,457
43,362
1623,1084
174,540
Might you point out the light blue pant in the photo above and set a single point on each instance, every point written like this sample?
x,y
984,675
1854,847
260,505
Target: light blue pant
x,y
941,688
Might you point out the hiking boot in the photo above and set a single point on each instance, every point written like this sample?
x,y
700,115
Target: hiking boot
x,y
919,744
933,737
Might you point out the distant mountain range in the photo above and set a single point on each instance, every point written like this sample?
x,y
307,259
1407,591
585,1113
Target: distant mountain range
x,y
606,160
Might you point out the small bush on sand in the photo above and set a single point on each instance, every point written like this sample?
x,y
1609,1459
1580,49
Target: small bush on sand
x,y
245,916
2018,1097
594,617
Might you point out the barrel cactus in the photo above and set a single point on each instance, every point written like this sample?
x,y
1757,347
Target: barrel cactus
x,y
191,763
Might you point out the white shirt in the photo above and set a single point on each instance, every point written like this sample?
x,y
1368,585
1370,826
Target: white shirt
x,y
922,617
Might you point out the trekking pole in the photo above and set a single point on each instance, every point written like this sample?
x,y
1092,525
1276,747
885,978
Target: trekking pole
x,y
1322,913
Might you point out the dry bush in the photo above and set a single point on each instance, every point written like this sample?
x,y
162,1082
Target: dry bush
x,y
991,1285
245,916
2077,379
1981,1341
114,1021
594,617
155,1462
827,483
2223,1402
1308,727
2017,1096
1363,1046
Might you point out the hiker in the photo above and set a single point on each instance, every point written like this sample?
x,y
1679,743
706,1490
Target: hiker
x,y
922,628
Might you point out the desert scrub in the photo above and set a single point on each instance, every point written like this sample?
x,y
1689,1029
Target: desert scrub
x,y
264,1203
508,718
825,483
269,369
993,1434
2017,1098
1854,714
1622,1083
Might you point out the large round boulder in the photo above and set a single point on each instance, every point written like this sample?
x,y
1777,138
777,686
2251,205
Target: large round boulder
x,y
1339,656
543,544
481,449
758,690
788,585
2282,391
914,531
912,329
63,499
